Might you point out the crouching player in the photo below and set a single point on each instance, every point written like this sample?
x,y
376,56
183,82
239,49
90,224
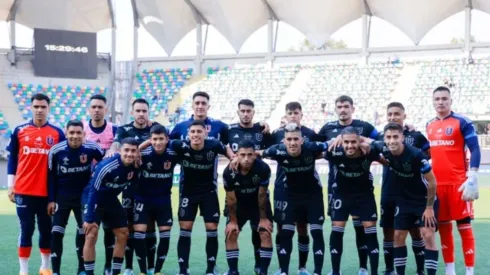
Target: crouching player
x,y
153,197
243,188
417,203
111,176
69,172
353,192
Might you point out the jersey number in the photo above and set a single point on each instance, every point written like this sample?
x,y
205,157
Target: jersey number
x,y
234,147
337,204
139,207
185,202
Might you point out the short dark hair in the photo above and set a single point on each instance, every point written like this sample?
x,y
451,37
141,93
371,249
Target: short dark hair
x,y
292,127
158,129
442,89
200,93
140,100
74,123
395,105
393,127
99,97
344,98
197,123
130,141
294,105
349,131
246,144
40,97
246,102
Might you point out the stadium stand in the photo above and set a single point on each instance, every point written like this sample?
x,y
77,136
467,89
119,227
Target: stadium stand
x,y
3,124
67,102
370,87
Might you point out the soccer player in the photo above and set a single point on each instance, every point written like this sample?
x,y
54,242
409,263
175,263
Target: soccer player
x,y
247,130
69,172
139,129
353,191
294,114
395,113
27,178
344,108
304,197
102,132
449,134
153,197
417,202
247,199
198,190
101,203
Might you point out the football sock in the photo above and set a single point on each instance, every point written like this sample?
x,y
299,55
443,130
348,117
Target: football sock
x,y
232,256
79,244
278,242
57,247
336,247
45,258
109,242
211,249
318,247
468,242
447,241
151,246
162,250
388,255
139,242
418,247
129,252
360,243
287,233
400,259
265,259
303,250
89,267
372,244
431,261
183,249
117,263
256,244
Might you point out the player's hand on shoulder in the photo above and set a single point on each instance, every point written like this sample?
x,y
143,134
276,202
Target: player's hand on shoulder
x,y
52,207
234,164
365,148
109,154
410,127
267,128
469,188
337,142
265,224
231,227
11,194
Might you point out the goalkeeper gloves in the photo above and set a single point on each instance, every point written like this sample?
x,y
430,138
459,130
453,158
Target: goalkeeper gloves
x,y
470,187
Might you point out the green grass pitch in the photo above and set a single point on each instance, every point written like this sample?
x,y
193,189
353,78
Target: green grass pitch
x,y
10,228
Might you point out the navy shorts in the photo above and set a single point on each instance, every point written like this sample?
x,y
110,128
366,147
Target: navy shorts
x,y
308,209
111,212
249,213
280,204
388,209
207,203
64,209
408,216
146,213
362,206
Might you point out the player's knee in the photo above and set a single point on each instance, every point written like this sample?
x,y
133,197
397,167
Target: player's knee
x,y
186,225
211,226
339,223
466,220
415,233
232,238
428,234
265,238
91,238
302,229
399,237
122,235
388,234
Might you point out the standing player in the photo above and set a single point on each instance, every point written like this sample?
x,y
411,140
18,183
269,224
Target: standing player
x,y
27,180
139,129
153,197
102,132
344,107
101,203
390,193
304,198
248,200
294,114
449,134
198,190
247,130
417,201
353,192
69,173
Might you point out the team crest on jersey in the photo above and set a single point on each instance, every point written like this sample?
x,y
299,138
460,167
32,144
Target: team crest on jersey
x,y
259,137
309,159
409,140
449,131
18,200
50,140
130,175
256,179
407,166
208,128
83,158
167,165
247,136
365,164
210,156
359,130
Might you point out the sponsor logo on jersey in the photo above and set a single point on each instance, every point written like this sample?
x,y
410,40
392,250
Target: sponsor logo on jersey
x,y
40,151
439,142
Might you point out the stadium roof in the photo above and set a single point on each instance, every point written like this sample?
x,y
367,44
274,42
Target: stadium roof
x,y
170,20
72,15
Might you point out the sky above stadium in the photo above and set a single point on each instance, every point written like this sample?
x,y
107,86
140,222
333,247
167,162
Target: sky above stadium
x,y
383,34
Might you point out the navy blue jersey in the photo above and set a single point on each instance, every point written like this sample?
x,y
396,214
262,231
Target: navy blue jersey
x,y
277,137
351,176
69,169
301,176
333,129
128,130
246,186
156,176
237,133
110,178
413,138
216,129
198,167
407,170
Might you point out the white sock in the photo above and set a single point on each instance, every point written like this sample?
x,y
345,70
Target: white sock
x,y
469,270
450,269
45,261
24,265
